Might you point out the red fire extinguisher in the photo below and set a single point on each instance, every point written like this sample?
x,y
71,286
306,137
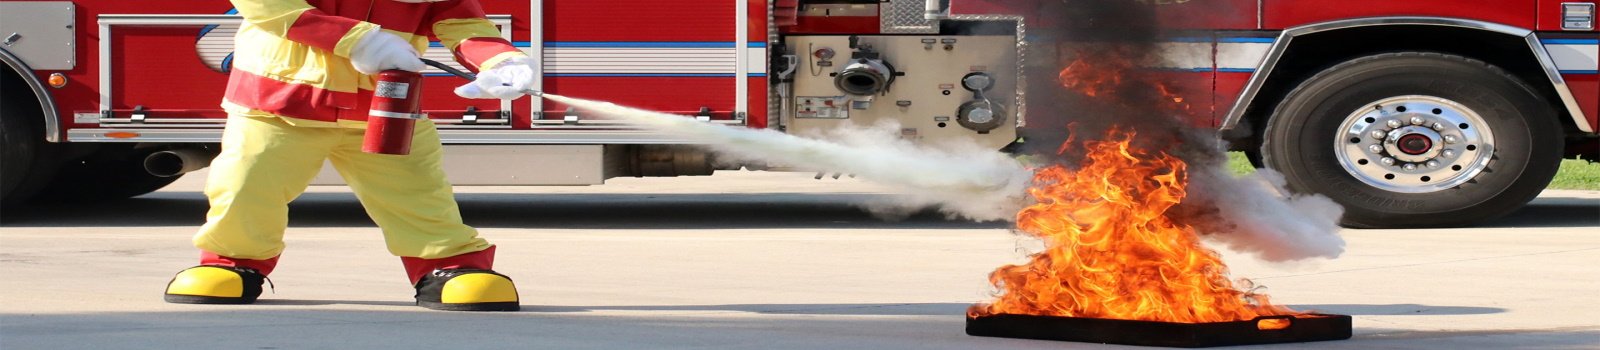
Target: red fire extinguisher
x,y
395,110
396,107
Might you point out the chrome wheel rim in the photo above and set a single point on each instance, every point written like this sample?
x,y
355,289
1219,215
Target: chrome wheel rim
x,y
1414,144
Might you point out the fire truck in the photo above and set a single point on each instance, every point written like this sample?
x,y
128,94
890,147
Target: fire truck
x,y
1409,113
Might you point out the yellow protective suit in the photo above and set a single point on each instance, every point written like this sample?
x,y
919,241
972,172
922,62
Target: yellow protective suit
x,y
295,100
266,162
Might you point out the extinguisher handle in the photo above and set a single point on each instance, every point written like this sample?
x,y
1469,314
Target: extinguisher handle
x,y
448,69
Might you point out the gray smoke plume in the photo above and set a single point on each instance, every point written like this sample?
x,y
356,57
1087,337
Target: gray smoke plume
x,y
1251,214
962,179
1256,215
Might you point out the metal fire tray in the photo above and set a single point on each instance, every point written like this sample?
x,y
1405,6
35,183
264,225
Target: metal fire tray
x,y
1301,328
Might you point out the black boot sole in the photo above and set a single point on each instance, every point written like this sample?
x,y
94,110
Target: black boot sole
x,y
500,306
201,299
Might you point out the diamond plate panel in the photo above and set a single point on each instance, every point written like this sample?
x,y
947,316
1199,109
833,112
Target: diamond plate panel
x,y
905,17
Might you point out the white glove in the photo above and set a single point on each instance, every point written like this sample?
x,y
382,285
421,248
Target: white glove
x,y
505,81
380,51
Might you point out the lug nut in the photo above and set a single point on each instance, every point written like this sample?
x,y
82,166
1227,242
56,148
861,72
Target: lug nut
x,y
1449,153
1375,148
1393,123
1450,139
1438,127
1433,164
1386,161
1416,120
1410,166
1377,134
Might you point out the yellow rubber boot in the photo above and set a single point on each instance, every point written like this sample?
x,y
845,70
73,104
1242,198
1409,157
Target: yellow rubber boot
x,y
215,285
467,290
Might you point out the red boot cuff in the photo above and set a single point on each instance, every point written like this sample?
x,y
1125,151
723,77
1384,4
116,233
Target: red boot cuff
x,y
263,266
418,267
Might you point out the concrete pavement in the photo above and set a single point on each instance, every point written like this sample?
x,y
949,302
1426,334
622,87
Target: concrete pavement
x,y
738,260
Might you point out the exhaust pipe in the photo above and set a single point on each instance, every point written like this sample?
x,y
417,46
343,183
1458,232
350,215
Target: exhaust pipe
x,y
176,162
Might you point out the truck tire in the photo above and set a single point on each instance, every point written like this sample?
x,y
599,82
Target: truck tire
x,y
110,174
28,161
1415,139
17,149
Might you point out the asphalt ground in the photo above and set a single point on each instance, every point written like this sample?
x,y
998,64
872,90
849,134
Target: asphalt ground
x,y
738,260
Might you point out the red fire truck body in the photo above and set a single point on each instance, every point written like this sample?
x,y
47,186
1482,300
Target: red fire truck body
x,y
107,99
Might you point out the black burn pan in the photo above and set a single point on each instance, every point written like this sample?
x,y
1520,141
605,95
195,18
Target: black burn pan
x,y
1262,330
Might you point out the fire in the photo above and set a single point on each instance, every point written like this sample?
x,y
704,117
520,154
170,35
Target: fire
x,y
1112,249
1103,70
1094,74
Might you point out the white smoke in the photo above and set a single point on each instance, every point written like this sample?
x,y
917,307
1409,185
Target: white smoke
x,y
962,179
1255,214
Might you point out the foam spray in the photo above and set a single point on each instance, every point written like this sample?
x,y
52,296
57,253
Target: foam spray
x,y
962,179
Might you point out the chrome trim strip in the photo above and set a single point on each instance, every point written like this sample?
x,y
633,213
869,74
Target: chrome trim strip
x,y
1559,82
104,56
536,52
741,57
47,103
505,32
449,136
1264,70
146,135
774,101
1261,14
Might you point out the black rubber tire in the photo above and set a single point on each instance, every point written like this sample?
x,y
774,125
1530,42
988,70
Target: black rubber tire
x,y
112,173
29,162
17,150
1527,136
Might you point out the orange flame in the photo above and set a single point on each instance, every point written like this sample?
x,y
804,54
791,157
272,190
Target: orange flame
x,y
1111,248
1105,69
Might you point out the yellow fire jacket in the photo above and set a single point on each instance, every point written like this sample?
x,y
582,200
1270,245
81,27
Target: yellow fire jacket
x,y
291,57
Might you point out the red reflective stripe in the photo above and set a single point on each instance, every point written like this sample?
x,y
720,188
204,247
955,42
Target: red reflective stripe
x,y
474,51
263,266
418,267
295,100
320,30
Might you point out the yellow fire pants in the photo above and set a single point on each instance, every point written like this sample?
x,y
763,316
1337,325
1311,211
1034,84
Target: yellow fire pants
x,y
265,163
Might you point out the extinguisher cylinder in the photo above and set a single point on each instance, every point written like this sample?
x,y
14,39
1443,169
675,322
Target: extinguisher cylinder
x,y
394,114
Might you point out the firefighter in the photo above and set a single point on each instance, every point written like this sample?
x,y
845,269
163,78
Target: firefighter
x,y
296,97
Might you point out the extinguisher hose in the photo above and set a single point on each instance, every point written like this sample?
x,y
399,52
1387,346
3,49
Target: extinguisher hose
x,y
448,69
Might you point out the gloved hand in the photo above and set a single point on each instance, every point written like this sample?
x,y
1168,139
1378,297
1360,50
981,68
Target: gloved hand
x,y
505,81
379,51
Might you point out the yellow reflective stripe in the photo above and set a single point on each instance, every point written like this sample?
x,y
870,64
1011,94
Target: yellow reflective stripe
x,y
502,57
349,40
276,58
273,16
236,109
452,32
